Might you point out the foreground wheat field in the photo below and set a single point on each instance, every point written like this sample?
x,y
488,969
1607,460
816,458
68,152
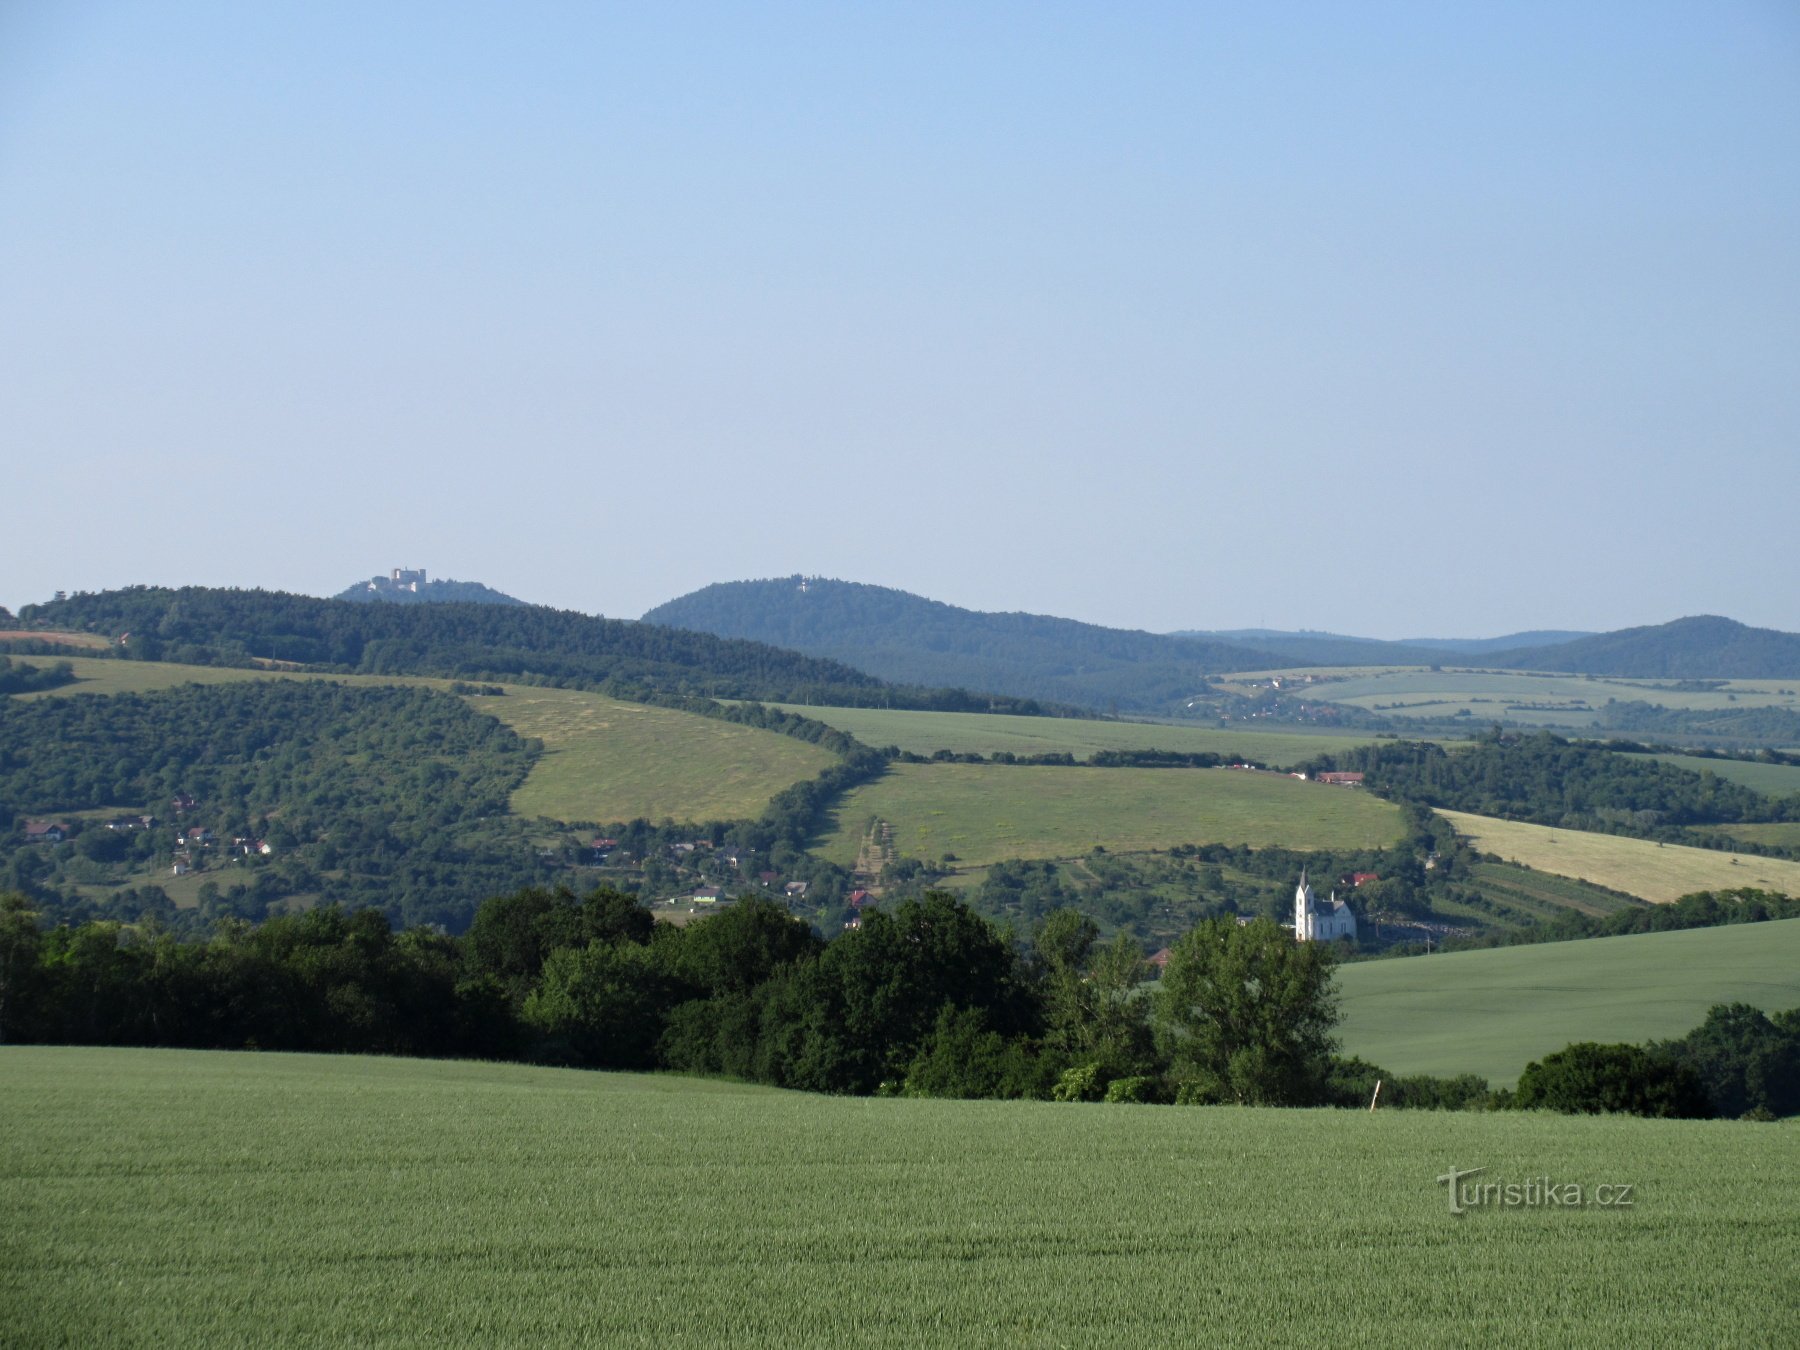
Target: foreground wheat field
x,y
185,1197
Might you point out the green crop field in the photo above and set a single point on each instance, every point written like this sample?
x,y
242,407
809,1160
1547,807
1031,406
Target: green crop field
x,y
1492,1012
1565,700
1640,867
174,1197
1778,834
992,733
1773,780
605,760
101,675
983,812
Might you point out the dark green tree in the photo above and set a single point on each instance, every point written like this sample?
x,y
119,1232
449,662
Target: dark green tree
x,y
1247,1013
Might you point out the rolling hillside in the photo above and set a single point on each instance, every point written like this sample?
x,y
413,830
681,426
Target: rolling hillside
x,y
1492,1012
1705,647
908,639
205,626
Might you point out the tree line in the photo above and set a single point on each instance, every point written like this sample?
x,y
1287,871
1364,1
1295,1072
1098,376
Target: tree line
x,y
925,999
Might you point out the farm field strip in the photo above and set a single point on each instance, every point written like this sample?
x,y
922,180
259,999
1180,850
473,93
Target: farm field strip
x,y
1416,690
1782,834
1641,867
607,760
1772,780
992,733
1491,1012
983,813
169,1196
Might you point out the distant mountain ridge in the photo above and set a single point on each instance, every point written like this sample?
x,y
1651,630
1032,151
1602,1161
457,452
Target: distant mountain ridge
x,y
215,626
1701,647
1338,649
909,639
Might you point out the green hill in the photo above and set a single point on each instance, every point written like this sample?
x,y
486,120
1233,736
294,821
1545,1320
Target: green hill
x,y
911,640
1492,1012
167,1197
420,592
1704,647
208,626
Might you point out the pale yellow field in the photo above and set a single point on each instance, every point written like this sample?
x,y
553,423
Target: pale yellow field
x,y
1655,872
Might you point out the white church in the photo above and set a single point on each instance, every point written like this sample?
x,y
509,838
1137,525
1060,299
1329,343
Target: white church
x,y
1320,921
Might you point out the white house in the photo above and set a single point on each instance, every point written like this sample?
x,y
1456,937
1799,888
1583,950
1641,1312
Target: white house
x,y
1320,921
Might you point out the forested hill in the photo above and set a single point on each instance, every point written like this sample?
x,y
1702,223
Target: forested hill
x,y
206,626
905,637
427,593
1703,648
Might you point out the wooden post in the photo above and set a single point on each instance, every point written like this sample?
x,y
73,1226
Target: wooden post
x,y
1373,1101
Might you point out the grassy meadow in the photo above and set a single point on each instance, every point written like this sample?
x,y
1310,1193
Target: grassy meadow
x,y
1777,834
608,760
1518,696
985,812
994,733
1641,867
1492,1012
186,1197
1772,780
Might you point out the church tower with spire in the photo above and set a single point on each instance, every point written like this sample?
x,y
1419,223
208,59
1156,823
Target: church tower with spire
x,y
1320,921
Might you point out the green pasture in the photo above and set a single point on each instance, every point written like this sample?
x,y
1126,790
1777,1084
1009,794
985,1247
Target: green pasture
x,y
1778,834
1641,867
608,760
1570,700
100,675
1772,780
173,1197
1492,1012
994,733
985,812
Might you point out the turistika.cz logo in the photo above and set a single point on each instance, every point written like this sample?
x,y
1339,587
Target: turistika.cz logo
x,y
1533,1193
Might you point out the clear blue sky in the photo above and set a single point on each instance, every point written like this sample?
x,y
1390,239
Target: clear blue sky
x,y
1399,319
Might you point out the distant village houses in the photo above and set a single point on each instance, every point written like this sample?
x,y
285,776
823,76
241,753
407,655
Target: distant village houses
x,y
1341,779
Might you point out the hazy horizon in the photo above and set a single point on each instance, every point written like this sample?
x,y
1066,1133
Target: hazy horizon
x,y
1389,320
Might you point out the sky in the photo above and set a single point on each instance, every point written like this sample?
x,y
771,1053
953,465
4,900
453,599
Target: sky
x,y
1399,319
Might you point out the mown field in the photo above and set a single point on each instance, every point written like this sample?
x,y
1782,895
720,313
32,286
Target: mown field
x,y
1492,1012
607,760
176,1198
983,813
994,733
1568,700
1773,780
604,759
1651,871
